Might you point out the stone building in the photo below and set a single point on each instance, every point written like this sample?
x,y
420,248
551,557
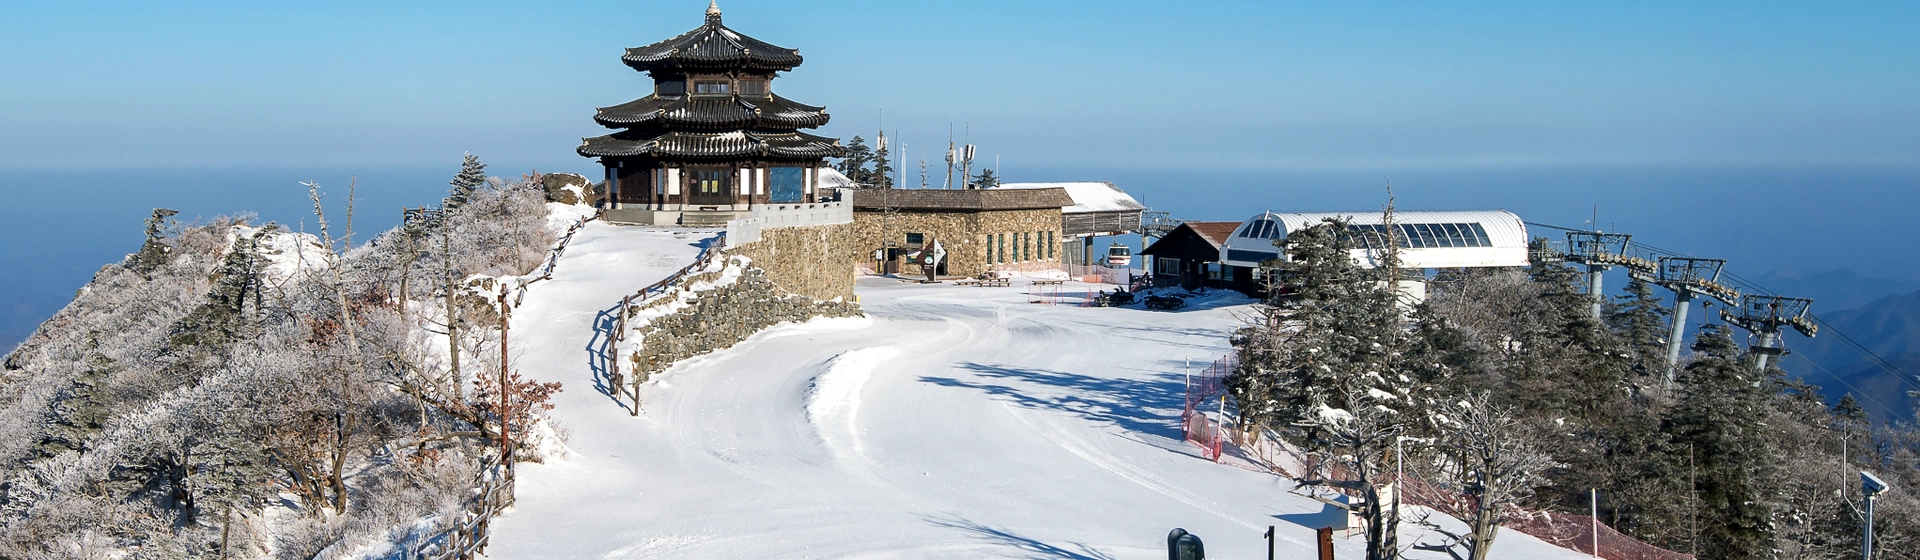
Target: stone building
x,y
1099,209
712,141
981,230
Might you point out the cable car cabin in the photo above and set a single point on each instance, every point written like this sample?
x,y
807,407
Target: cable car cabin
x,y
1119,256
1468,239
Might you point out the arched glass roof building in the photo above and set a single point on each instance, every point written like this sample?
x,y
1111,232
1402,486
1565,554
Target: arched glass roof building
x,y
1469,239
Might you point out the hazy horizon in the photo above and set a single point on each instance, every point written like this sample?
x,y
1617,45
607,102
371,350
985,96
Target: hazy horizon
x,y
1773,134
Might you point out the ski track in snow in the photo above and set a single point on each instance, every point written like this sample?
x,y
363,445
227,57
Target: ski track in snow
x,y
953,422
833,403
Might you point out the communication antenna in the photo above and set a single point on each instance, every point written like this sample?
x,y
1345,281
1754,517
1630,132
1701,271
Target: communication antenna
x,y
948,182
966,167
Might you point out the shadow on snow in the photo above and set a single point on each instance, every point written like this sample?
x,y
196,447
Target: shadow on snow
x,y
1032,548
1149,406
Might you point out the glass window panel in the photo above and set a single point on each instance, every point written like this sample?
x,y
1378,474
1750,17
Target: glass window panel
x,y
1481,233
1425,235
1453,235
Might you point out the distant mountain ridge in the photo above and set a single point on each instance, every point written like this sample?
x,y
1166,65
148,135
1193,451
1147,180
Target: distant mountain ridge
x,y
1890,328
1834,290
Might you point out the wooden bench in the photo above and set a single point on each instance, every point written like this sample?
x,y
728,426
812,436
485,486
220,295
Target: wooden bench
x,y
967,282
1049,282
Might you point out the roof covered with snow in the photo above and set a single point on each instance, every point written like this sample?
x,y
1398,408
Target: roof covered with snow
x,y
1088,196
831,178
960,200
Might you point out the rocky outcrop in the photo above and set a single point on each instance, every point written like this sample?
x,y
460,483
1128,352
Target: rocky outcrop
x,y
564,188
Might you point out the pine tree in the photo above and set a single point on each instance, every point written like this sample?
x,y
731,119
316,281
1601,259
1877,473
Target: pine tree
x,y
854,165
218,321
472,174
1324,366
882,168
154,252
1640,321
1721,401
985,179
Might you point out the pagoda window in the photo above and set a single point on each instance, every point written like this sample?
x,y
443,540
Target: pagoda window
x,y
753,87
671,87
710,86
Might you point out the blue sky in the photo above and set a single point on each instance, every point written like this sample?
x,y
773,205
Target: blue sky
x,y
1243,85
1778,135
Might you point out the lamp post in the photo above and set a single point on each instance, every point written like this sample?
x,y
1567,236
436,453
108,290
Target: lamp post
x,y
1870,486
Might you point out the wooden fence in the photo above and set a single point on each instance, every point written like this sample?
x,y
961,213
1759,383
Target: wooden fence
x,y
612,352
493,486
492,493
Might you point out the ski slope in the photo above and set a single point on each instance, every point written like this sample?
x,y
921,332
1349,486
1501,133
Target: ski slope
x,y
953,422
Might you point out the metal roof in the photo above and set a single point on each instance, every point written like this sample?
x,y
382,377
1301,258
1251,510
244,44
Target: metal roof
x,y
1478,238
712,46
1504,229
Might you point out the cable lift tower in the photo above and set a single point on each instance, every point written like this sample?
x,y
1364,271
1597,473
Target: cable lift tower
x,y
1687,277
1764,315
1600,252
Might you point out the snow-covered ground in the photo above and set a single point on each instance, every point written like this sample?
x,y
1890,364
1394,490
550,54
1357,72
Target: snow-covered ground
x,y
954,422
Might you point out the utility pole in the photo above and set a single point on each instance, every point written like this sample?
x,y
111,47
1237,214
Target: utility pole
x,y
506,448
1871,486
1593,516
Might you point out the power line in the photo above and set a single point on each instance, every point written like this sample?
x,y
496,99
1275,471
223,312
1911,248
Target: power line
x,y
1891,412
1847,341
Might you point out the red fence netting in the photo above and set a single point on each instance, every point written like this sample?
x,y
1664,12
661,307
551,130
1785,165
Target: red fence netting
x,y
1202,386
1575,532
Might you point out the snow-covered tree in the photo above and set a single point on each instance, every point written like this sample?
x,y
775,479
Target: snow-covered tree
x,y
1488,462
1321,365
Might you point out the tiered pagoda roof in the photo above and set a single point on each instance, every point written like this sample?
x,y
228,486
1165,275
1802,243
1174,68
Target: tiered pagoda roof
x,y
687,124
733,144
712,47
726,112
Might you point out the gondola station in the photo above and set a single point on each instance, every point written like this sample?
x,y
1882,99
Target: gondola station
x,y
712,141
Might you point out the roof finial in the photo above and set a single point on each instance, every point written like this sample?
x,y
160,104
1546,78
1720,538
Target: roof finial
x,y
713,11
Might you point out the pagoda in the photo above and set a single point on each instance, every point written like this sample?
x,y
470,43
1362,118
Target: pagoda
x,y
712,141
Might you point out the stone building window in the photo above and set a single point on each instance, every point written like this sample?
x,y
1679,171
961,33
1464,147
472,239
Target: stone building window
x,y
916,238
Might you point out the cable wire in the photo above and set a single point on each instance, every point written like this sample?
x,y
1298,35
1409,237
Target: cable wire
x,y
1752,287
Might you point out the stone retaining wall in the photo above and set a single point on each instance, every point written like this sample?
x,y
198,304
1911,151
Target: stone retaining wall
x,y
791,274
814,261
718,318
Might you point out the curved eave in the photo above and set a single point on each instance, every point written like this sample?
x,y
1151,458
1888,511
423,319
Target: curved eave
x,y
733,112
693,145
712,47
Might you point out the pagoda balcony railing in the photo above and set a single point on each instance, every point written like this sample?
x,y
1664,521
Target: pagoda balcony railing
x,y
746,230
